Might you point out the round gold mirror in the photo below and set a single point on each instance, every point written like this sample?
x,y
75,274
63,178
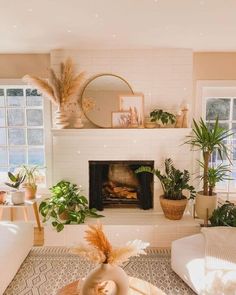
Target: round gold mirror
x,y
100,97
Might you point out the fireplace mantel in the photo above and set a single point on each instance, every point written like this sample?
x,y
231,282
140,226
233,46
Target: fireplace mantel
x,y
72,150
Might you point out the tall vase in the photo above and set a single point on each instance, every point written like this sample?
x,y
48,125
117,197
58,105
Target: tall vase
x,y
106,272
61,119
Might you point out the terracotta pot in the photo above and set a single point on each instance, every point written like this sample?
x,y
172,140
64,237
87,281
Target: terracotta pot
x,y
106,272
17,197
173,209
205,203
64,215
3,195
30,192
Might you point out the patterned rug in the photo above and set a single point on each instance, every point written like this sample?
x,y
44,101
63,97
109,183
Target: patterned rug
x,y
48,269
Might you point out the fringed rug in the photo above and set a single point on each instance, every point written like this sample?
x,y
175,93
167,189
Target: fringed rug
x,y
48,269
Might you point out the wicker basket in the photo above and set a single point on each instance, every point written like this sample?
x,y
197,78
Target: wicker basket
x,y
173,209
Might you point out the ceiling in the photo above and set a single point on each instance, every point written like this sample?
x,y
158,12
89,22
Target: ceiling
x,y
39,26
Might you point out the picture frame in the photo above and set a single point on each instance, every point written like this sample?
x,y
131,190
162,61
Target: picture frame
x,y
121,119
135,105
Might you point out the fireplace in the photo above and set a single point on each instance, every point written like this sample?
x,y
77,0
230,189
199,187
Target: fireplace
x,y
114,184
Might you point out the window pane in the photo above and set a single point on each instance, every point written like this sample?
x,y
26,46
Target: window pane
x,y
3,156
34,117
2,117
15,97
218,107
35,136
3,138
17,156
36,157
2,104
3,174
33,98
16,117
16,136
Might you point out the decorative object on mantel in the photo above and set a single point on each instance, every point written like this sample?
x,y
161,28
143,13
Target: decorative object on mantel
x,y
100,250
182,117
100,97
121,119
66,205
208,138
173,182
60,90
160,116
135,105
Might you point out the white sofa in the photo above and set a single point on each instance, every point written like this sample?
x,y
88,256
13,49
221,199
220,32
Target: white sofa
x,y
188,261
16,240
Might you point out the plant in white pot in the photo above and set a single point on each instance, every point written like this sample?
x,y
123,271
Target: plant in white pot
x,y
173,182
208,138
29,185
17,195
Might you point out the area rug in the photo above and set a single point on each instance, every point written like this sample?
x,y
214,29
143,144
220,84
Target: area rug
x,y
47,269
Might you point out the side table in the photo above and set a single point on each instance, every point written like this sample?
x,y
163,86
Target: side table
x,y
24,206
137,287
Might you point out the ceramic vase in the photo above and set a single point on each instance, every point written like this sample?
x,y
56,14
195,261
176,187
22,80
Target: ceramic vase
x,y
205,205
17,197
61,119
106,272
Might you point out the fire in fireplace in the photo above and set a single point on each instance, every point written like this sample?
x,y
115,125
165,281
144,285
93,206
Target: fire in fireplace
x,y
114,184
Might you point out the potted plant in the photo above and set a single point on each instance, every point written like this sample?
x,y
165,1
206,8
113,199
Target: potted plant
x,y
165,118
17,196
224,215
29,185
173,182
65,206
208,139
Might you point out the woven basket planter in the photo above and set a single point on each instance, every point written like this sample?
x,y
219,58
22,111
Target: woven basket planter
x,y
173,209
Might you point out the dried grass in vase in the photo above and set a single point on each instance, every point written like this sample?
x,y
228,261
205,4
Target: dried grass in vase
x,y
59,89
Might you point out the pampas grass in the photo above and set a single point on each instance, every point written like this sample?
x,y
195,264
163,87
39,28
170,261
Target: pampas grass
x,y
100,250
60,88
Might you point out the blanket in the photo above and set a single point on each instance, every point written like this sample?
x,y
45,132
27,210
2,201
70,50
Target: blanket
x,y
220,260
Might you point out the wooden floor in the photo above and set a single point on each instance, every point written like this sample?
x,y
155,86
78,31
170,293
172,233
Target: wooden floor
x,y
38,237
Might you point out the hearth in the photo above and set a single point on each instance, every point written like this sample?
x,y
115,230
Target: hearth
x,y
114,184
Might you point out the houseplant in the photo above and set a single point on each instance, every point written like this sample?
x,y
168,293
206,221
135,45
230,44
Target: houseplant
x,y
208,139
29,185
173,182
66,205
165,118
224,215
17,196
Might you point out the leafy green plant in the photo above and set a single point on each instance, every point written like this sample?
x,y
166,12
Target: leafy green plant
x,y
30,173
165,117
16,180
173,181
208,139
65,206
225,215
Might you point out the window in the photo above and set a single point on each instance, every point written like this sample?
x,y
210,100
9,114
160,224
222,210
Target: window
x,y
221,101
22,139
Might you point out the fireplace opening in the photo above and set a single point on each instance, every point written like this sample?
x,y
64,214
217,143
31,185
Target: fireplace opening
x,y
114,184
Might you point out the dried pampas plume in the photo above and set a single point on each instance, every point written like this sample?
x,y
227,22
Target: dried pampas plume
x,y
99,249
60,88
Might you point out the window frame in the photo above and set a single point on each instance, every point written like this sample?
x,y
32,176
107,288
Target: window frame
x,y
47,119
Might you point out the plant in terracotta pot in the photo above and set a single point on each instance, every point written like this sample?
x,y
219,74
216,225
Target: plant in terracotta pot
x,y
66,205
165,118
173,183
17,195
208,139
29,185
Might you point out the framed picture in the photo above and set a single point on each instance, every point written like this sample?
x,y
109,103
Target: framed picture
x,y
134,104
121,119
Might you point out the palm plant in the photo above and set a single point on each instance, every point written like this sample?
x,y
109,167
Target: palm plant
x,y
209,139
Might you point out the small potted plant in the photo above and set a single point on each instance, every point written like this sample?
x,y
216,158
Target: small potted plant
x,y
173,182
29,185
224,215
17,195
208,139
65,206
165,118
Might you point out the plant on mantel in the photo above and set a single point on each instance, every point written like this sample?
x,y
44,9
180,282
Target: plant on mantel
x,y
209,138
173,182
165,118
65,206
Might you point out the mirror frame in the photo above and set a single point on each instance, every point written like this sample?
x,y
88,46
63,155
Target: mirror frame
x,y
88,82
